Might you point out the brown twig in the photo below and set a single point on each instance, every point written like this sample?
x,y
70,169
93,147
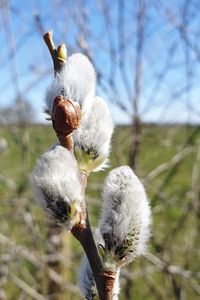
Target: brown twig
x,y
83,233
57,61
104,279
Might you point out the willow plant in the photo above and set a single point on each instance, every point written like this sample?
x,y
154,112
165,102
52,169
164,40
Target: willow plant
x,y
83,124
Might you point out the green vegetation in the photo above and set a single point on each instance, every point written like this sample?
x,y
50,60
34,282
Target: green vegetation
x,y
173,192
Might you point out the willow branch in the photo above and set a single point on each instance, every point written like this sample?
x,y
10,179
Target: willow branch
x,y
82,230
83,233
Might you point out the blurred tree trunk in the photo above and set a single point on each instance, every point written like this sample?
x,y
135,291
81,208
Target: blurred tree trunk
x,y
136,124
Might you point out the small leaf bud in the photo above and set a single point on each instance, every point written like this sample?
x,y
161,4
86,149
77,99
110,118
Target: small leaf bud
x,y
62,52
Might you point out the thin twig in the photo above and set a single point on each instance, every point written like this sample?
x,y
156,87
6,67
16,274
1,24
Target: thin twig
x,y
38,261
176,159
83,233
58,63
28,289
172,269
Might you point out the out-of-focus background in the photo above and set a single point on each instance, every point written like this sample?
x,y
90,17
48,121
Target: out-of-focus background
x,y
147,60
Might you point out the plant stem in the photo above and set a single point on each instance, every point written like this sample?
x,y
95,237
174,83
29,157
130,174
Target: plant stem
x,y
104,280
57,62
82,231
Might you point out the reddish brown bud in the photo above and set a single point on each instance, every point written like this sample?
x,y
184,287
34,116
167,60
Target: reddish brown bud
x,y
66,115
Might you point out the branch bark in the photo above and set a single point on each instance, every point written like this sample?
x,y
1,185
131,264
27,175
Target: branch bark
x,y
104,279
82,232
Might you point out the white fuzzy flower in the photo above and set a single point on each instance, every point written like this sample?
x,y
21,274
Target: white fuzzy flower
x,y
92,139
76,81
86,280
56,185
126,217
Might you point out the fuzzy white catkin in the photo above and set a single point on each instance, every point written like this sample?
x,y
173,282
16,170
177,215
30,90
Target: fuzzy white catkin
x,y
86,280
76,81
95,132
126,216
56,185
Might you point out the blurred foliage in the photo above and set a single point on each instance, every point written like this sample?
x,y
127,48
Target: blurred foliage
x,y
24,227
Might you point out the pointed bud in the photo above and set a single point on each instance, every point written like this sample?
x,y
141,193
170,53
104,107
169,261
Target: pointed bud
x,y
62,52
65,117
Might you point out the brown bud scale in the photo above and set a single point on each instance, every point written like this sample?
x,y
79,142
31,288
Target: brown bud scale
x,y
66,115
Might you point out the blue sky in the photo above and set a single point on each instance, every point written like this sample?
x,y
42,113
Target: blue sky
x,y
176,99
